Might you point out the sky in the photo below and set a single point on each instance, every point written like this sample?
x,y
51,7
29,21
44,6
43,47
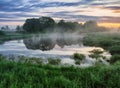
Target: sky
x,y
105,12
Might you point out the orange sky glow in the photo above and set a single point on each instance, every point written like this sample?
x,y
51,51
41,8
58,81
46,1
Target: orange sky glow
x,y
109,25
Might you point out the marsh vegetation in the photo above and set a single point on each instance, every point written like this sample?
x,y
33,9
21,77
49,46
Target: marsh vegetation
x,y
26,75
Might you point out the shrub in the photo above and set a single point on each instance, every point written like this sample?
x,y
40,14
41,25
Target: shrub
x,y
77,56
96,53
77,62
95,56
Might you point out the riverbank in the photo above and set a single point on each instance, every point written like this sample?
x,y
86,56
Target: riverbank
x,y
13,36
102,39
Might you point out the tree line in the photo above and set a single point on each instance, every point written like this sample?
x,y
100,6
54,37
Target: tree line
x,y
48,24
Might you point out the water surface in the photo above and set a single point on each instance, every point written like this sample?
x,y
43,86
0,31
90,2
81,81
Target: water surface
x,y
62,47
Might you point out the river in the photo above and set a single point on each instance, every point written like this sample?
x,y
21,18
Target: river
x,y
47,47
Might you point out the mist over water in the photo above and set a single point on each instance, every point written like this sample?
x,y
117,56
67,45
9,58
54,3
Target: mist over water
x,y
48,41
54,45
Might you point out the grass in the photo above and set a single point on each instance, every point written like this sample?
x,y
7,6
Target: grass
x,y
115,49
114,58
104,40
108,41
25,75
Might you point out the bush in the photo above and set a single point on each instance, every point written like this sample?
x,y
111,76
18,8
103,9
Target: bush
x,y
77,62
95,56
114,50
114,59
96,53
77,56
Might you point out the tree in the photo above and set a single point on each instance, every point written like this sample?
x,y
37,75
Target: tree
x,y
90,24
6,28
43,44
2,28
18,29
68,26
43,24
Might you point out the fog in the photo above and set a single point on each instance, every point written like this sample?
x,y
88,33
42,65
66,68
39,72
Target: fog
x,y
49,40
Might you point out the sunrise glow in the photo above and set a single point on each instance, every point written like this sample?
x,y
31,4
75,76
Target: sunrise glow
x,y
110,25
104,12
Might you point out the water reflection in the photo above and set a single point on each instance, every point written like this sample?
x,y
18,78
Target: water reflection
x,y
46,42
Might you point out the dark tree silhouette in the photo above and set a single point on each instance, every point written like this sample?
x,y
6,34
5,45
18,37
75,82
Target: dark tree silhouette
x,y
42,24
18,28
68,26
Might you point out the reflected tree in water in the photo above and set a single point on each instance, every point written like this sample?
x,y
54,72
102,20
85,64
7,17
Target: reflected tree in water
x,y
48,43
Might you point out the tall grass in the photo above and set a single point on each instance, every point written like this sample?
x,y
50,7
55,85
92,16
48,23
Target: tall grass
x,y
24,75
104,40
108,41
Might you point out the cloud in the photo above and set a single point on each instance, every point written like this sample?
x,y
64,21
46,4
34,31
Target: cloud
x,y
13,6
81,18
74,10
110,19
7,20
112,7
